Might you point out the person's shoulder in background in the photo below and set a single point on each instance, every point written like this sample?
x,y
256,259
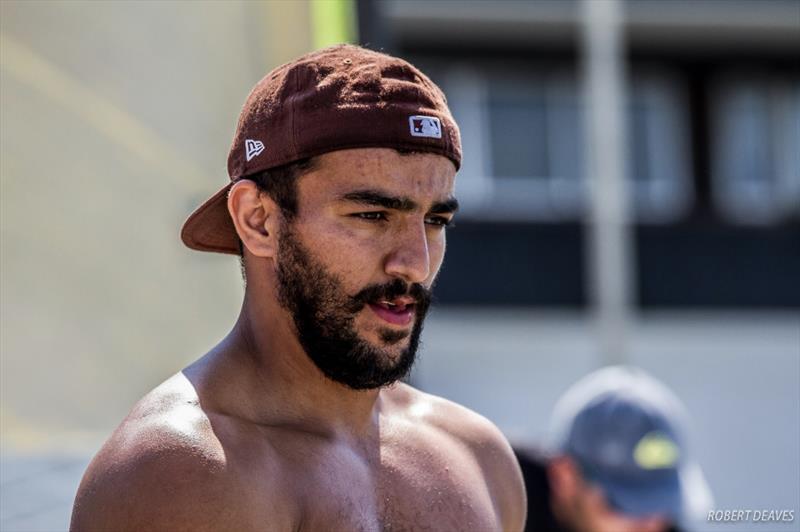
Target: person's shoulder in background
x,y
533,462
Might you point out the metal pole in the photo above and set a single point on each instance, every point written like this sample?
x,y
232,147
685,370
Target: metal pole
x,y
608,241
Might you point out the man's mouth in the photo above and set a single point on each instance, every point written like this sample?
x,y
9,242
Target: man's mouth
x,y
398,311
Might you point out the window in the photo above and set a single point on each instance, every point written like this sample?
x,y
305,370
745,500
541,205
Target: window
x,y
523,135
756,159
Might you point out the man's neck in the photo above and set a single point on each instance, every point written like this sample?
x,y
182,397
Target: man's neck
x,y
263,374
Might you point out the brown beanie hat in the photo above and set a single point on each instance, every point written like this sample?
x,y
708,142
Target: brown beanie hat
x,y
337,98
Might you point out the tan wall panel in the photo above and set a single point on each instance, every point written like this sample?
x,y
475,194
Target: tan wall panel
x,y
116,121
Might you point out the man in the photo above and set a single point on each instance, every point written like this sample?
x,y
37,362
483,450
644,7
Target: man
x,y
342,175
618,461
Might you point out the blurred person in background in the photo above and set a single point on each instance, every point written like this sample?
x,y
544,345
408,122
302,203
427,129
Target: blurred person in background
x,y
343,168
618,460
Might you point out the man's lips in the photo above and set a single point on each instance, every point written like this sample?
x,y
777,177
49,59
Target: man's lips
x,y
399,314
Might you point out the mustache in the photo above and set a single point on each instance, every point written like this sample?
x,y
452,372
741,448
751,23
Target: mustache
x,y
391,290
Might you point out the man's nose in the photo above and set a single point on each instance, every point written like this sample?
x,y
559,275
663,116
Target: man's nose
x,y
409,257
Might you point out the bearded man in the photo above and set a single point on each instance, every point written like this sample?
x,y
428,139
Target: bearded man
x,y
342,177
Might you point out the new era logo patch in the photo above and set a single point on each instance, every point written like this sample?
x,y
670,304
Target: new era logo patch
x,y
425,126
253,148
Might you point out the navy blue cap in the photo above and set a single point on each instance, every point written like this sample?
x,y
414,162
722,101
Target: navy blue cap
x,y
626,432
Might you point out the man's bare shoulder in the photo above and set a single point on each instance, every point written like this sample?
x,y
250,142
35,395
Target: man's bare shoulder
x,y
482,439
457,421
164,468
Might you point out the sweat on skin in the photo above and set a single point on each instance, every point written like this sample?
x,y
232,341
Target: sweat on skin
x,y
256,436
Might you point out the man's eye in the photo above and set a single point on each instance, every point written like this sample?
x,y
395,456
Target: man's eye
x,y
439,221
370,215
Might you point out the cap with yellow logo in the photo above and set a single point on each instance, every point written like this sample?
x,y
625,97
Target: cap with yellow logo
x,y
627,433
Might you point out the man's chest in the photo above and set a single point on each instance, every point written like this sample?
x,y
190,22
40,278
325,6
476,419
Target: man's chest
x,y
429,503
405,488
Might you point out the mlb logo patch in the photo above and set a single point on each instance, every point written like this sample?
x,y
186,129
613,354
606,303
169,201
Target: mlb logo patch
x,y
252,148
425,126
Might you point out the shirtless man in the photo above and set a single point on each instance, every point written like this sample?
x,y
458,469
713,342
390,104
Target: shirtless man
x,y
296,420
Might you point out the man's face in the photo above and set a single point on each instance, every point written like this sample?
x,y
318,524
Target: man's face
x,y
582,506
356,265
595,515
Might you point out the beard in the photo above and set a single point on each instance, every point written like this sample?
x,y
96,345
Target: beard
x,y
324,319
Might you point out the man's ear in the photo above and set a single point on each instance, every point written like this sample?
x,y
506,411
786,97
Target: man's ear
x,y
564,477
255,216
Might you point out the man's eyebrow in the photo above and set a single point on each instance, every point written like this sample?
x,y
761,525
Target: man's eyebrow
x,y
448,206
399,203
380,199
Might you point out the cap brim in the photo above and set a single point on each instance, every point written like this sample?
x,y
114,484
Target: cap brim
x,y
658,497
682,495
210,228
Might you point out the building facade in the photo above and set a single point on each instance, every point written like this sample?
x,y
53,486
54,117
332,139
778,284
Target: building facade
x,y
713,116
